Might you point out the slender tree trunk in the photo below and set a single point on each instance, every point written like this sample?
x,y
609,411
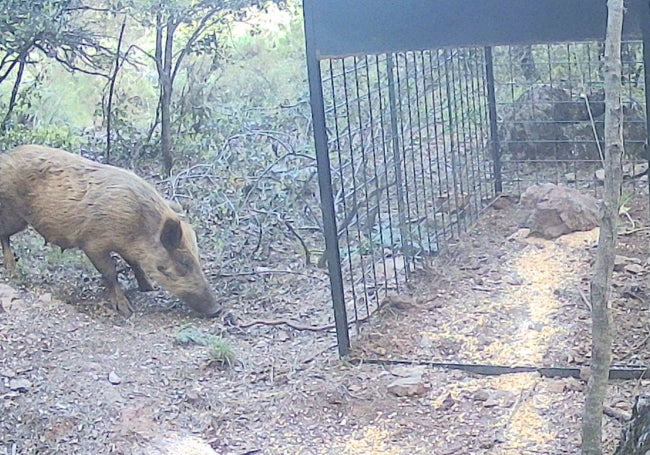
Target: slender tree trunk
x,y
166,100
111,92
14,96
601,281
164,56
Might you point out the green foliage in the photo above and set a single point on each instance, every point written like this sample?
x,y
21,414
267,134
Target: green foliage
x,y
219,351
36,260
189,334
56,29
262,69
50,135
69,259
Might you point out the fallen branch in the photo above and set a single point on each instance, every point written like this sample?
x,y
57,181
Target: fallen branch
x,y
316,328
288,322
265,271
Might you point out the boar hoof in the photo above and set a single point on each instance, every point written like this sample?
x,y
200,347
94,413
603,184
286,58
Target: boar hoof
x,y
145,287
216,312
123,306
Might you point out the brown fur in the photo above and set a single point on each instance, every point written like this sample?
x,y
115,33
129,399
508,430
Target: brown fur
x,y
77,203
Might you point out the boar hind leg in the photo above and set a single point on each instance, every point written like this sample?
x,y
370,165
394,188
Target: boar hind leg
x,y
144,284
104,263
8,255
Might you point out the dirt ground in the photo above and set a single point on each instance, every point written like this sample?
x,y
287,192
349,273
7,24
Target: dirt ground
x,y
76,378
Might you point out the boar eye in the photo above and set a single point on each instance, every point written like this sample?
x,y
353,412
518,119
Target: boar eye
x,y
186,262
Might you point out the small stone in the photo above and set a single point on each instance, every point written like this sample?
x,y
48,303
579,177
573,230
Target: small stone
x,y
634,169
508,400
8,373
114,378
425,342
447,403
192,396
486,444
600,174
521,234
399,302
9,299
634,269
408,387
502,203
624,405
19,385
555,387
620,262
408,371
481,395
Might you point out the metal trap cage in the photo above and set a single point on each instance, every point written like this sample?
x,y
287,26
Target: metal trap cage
x,y
425,111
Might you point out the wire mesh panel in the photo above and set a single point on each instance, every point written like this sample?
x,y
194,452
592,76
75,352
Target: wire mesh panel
x,y
550,104
410,164
412,144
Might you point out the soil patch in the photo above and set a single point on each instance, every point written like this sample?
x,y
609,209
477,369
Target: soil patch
x,y
76,378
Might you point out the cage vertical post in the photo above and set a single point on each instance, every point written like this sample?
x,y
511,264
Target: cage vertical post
x,y
644,13
325,185
492,113
397,153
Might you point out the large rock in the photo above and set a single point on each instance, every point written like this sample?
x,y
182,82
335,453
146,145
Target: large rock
x,y
552,210
550,121
539,123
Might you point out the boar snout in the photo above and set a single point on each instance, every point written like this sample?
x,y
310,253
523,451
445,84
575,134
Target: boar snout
x,y
203,302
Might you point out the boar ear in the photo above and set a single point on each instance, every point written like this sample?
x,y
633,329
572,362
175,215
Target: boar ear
x,y
171,234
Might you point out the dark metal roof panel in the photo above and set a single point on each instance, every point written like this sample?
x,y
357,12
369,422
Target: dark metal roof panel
x,y
353,27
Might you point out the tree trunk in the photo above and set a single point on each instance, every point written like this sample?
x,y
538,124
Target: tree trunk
x,y
636,434
111,93
166,100
164,57
14,96
601,330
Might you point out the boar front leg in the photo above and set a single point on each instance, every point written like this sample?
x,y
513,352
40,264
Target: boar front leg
x,y
104,263
144,284
8,255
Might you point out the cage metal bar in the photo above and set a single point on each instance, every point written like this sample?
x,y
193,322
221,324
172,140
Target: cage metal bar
x,y
425,244
363,173
325,186
429,113
407,131
395,147
645,31
494,127
372,159
341,171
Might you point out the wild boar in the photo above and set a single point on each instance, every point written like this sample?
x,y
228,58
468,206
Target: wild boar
x,y
74,202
